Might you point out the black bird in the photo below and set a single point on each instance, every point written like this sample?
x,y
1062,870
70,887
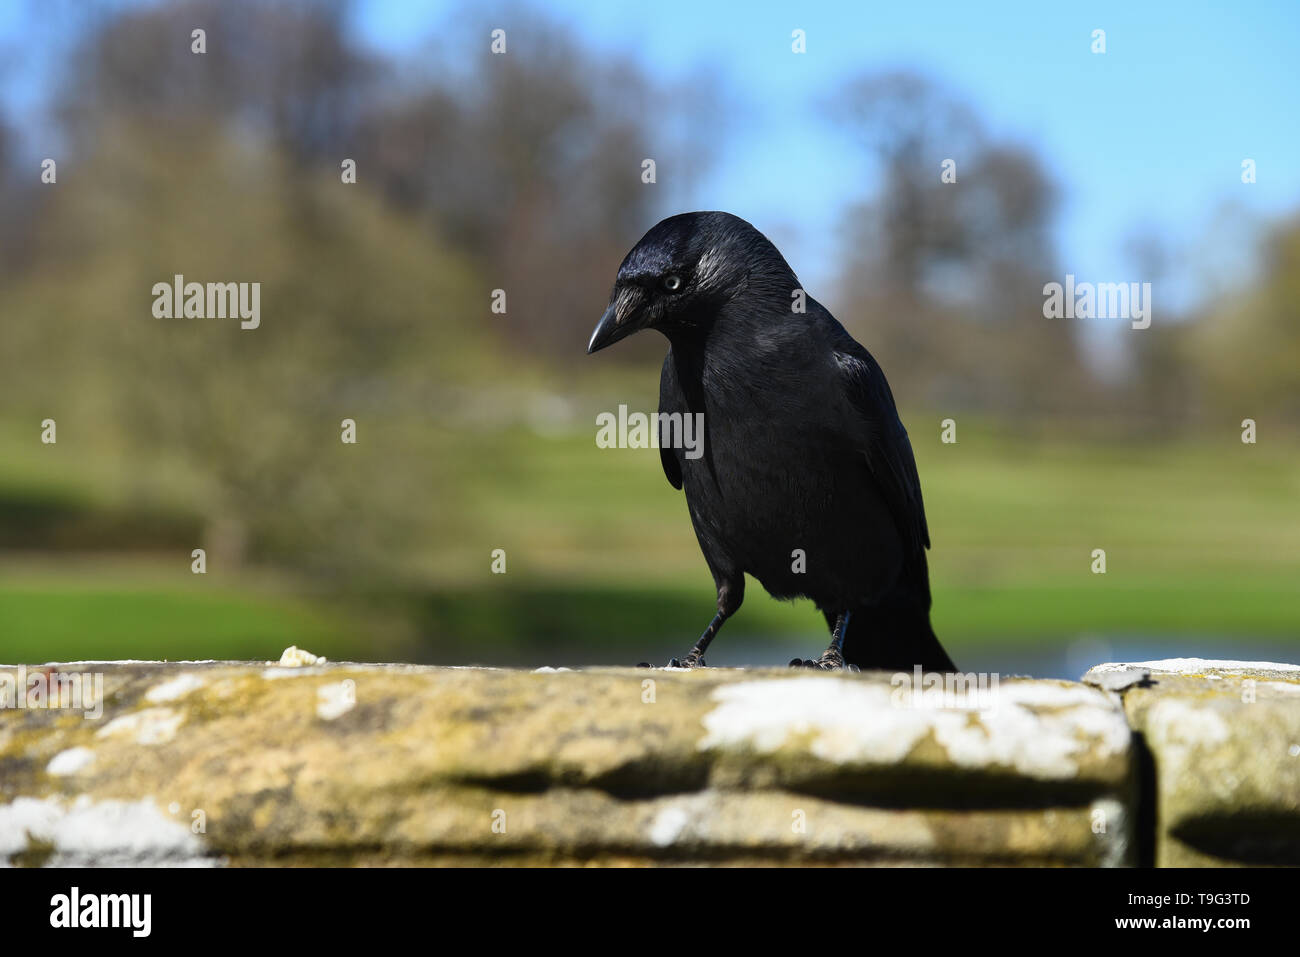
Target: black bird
x,y
807,480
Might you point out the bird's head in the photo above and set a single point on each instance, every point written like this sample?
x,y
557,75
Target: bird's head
x,y
682,272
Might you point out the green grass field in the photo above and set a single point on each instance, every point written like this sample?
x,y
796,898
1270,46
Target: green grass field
x,y
1200,538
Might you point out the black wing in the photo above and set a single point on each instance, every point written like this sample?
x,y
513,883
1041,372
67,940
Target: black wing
x,y
884,440
670,400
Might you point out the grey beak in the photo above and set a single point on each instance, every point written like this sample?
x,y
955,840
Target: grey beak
x,y
616,323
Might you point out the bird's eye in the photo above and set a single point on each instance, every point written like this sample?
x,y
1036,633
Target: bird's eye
x,y
672,283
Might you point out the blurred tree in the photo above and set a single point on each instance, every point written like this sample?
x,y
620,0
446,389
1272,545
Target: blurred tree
x,y
224,167
945,277
284,71
530,161
1245,347
1160,393
8,200
363,315
19,195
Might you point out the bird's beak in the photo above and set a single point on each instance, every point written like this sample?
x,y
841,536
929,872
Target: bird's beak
x,y
621,319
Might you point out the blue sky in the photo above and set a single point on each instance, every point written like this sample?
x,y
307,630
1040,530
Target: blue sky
x,y
1147,137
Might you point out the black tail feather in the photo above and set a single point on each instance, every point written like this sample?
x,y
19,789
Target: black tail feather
x,y
894,638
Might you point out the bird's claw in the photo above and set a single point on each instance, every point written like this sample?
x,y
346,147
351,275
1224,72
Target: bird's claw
x,y
689,661
827,662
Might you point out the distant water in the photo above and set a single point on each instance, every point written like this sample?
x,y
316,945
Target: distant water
x,y
1070,658
1041,658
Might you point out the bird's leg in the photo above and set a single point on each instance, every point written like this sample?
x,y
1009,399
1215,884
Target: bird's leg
x,y
833,659
731,592
695,657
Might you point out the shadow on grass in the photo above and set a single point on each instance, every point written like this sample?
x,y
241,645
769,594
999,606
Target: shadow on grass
x,y
554,624
55,524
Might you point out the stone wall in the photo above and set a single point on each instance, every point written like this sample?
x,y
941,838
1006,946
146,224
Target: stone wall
x,y
321,763
1219,754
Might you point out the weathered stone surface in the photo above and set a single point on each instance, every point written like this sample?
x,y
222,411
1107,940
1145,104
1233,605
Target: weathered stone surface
x,y
1224,741
372,764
